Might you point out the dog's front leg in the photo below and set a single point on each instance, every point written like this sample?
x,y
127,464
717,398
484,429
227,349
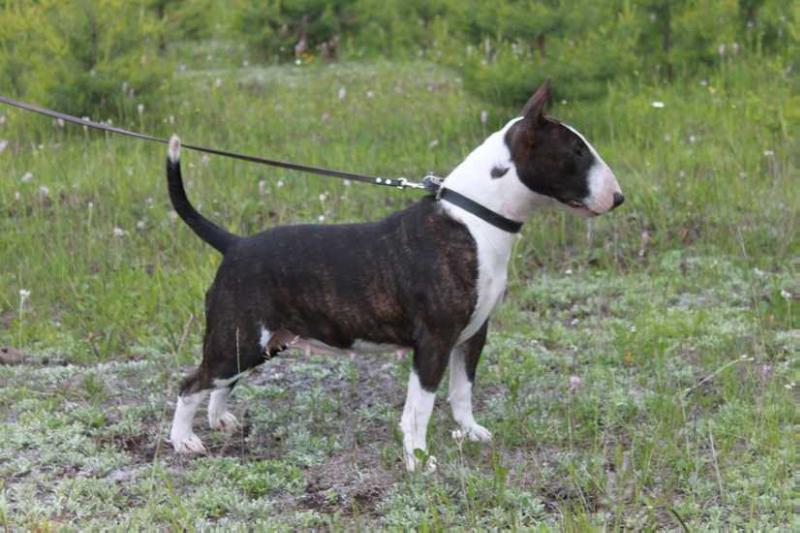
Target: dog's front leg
x,y
463,362
430,361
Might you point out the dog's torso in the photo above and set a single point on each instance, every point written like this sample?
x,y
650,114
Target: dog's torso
x,y
350,285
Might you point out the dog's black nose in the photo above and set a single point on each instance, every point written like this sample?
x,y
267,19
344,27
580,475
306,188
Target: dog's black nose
x,y
618,199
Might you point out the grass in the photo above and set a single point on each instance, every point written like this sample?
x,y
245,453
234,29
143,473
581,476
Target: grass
x,y
641,373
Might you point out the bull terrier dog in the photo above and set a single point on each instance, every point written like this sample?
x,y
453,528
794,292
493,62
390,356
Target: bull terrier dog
x,y
424,279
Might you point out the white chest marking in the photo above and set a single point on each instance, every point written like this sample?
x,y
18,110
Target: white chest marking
x,y
494,251
506,196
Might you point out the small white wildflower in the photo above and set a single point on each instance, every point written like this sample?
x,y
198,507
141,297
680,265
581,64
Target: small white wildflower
x,y
44,191
3,145
17,195
370,94
786,295
140,108
279,184
347,183
434,143
90,205
27,177
758,272
658,104
632,329
140,224
789,386
323,196
24,294
149,202
204,160
182,67
321,218
575,383
574,322
692,138
342,93
484,117
124,86
298,62
119,232
568,272
458,435
704,83
768,153
262,187
721,49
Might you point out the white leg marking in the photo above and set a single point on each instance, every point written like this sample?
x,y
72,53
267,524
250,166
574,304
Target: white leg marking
x,y
218,415
414,423
181,436
460,397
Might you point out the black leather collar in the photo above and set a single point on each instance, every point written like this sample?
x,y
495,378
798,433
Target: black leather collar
x,y
495,219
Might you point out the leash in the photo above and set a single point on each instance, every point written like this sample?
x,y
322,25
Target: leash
x,y
430,183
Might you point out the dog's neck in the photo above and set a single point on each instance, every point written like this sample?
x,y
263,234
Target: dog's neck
x,y
504,194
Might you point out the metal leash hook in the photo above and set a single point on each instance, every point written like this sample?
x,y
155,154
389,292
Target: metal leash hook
x,y
432,184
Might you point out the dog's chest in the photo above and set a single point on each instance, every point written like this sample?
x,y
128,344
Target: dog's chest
x,y
494,251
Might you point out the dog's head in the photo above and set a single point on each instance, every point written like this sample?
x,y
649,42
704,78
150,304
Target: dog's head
x,y
555,161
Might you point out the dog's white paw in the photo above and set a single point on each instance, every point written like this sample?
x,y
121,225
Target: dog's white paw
x,y
474,432
413,463
431,464
225,422
190,444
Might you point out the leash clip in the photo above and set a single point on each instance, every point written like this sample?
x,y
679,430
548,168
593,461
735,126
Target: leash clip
x,y
433,184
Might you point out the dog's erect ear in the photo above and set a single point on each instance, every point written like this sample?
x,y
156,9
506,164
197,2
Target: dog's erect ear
x,y
534,109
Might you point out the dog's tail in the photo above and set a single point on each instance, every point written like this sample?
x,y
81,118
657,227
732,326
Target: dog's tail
x,y
214,235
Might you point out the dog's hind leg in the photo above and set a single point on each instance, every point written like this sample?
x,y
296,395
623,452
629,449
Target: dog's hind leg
x,y
229,371
219,417
193,392
463,362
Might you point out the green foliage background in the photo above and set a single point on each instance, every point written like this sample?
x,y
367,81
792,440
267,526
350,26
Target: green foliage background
x,y
95,56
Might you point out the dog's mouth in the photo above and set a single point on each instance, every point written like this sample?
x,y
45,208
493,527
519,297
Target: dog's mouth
x,y
581,208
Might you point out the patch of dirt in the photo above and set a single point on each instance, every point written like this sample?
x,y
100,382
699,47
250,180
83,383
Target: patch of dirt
x,y
11,356
350,483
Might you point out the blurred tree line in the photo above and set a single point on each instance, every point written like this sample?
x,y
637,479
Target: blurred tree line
x,y
105,57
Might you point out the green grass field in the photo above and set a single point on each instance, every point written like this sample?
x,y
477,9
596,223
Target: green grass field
x,y
641,373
